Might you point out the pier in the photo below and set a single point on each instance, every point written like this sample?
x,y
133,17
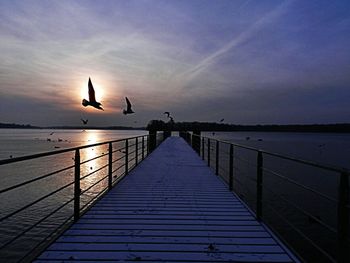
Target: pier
x,y
170,208
163,198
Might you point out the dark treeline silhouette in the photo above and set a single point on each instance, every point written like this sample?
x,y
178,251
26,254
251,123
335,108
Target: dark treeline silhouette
x,y
212,126
17,126
95,128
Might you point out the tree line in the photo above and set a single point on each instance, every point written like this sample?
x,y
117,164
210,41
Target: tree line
x,y
213,126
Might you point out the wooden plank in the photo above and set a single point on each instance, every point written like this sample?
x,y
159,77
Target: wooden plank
x,y
158,208
173,247
164,226
137,230
153,233
161,213
217,238
169,221
165,256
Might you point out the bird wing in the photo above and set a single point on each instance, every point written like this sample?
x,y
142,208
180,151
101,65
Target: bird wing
x,y
128,104
91,92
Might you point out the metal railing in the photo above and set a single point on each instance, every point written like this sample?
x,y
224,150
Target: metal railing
x,y
76,188
278,197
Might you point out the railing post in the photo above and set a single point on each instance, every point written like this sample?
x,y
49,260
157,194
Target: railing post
x,y
202,148
77,185
143,147
148,146
217,158
208,152
126,156
259,185
231,168
136,150
343,218
152,140
110,155
196,141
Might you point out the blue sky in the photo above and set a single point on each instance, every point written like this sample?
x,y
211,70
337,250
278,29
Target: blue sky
x,y
250,62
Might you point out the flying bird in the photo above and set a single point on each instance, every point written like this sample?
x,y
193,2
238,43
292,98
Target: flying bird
x,y
222,120
84,121
92,100
128,107
167,113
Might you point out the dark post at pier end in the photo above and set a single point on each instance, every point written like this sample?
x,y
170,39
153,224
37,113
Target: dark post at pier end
x,y
166,134
152,140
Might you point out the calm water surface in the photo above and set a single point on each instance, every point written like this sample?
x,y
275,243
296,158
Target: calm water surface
x,y
16,143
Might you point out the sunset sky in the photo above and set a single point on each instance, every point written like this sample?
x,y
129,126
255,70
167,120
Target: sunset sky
x,y
248,61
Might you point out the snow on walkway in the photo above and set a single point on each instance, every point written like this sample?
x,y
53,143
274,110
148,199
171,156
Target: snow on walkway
x,y
170,208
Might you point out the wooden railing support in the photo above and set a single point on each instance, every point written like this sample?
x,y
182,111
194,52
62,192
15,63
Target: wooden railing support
x,y
202,148
259,186
217,148
343,219
196,141
143,147
126,156
208,152
77,185
231,168
136,151
152,140
110,163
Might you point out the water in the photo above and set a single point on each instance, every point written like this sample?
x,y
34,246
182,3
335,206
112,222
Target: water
x,y
20,142
16,143
326,148
286,205
332,149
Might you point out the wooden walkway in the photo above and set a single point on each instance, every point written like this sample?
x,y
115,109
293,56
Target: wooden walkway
x,y
170,208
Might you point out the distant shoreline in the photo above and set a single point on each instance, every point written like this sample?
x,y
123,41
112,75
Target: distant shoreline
x,y
28,126
205,127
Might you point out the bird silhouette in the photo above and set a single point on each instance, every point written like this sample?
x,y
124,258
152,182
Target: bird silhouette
x,y
222,120
128,107
92,100
84,121
167,113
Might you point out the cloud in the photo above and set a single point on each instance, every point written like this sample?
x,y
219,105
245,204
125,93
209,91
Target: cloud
x,y
244,36
178,56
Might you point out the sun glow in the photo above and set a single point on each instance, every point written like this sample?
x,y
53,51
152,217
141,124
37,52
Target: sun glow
x,y
103,94
99,92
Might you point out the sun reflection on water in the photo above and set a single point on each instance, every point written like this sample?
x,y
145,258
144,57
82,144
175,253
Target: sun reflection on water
x,y
92,137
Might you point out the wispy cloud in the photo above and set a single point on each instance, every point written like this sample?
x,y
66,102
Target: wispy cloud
x,y
265,20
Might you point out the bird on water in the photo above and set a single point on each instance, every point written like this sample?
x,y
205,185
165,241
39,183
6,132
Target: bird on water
x,y
128,107
92,100
84,121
